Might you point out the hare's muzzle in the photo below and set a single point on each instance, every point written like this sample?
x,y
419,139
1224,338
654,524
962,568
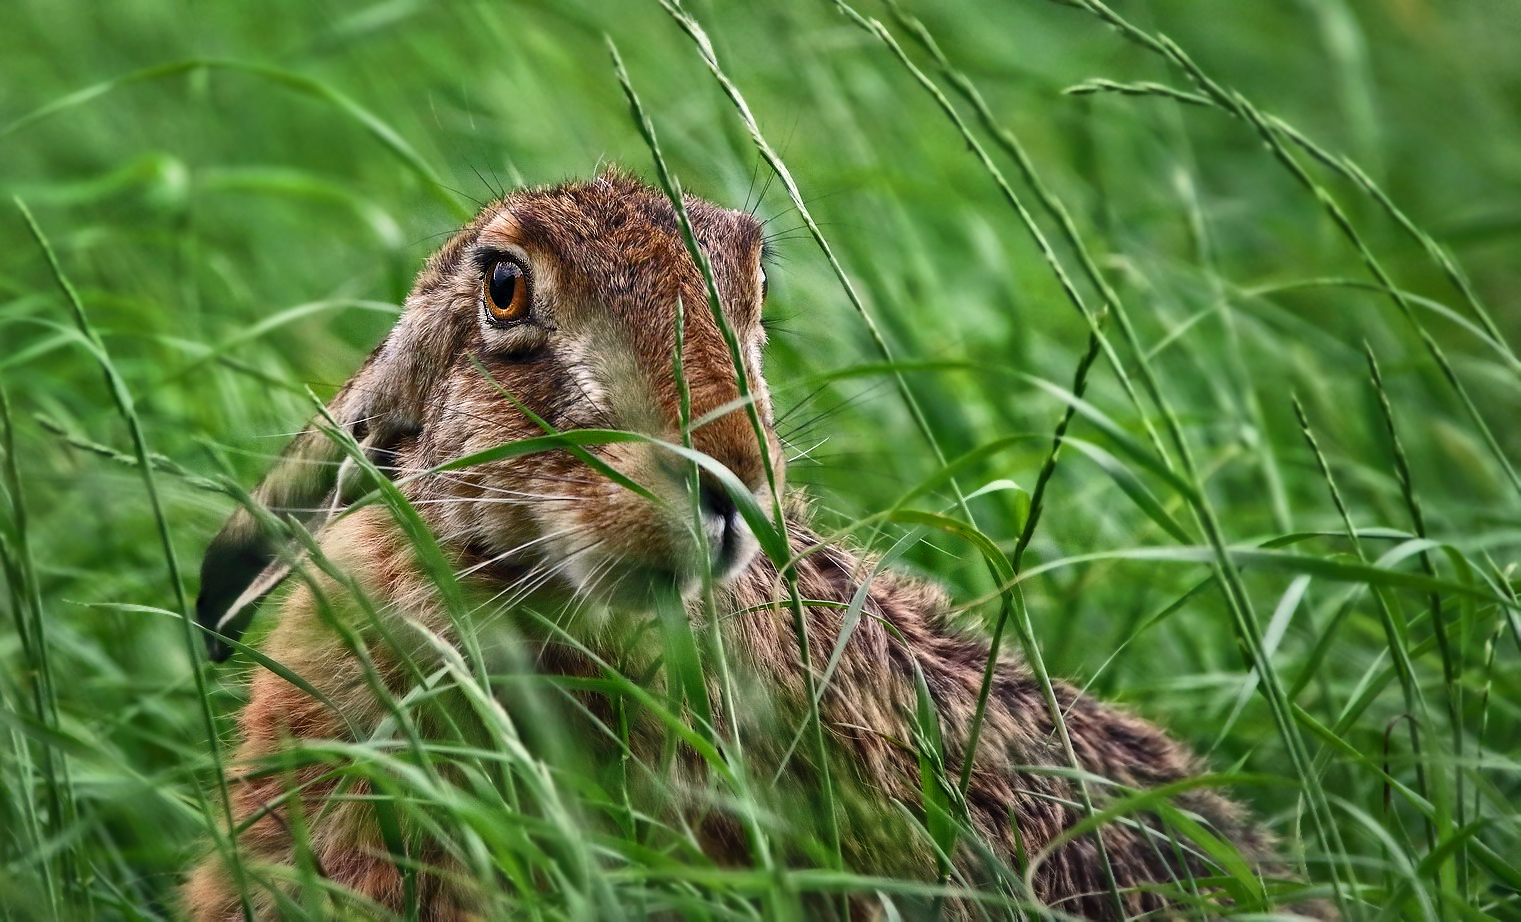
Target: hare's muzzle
x,y
682,528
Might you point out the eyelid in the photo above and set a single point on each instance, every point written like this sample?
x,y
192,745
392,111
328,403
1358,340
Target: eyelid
x,y
483,256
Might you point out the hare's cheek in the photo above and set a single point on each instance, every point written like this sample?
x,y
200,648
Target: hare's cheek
x,y
617,546
631,528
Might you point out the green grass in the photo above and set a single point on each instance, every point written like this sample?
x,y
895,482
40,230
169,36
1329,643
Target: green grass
x,y
1252,270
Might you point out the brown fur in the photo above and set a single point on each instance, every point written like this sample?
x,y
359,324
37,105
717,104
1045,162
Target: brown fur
x,y
607,266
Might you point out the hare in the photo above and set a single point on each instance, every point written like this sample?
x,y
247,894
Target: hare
x,y
556,310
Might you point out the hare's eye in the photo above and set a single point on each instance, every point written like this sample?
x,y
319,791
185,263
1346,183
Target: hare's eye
x,y
505,292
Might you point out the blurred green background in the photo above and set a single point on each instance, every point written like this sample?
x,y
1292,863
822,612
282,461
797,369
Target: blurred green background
x,y
242,192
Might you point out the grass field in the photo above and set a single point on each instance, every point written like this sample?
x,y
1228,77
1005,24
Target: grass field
x,y
1300,567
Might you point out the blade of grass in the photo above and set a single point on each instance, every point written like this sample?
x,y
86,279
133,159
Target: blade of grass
x,y
31,628
121,396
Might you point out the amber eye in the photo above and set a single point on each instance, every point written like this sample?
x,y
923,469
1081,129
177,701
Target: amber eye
x,y
505,290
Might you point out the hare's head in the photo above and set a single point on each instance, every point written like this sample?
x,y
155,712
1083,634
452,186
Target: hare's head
x,y
555,309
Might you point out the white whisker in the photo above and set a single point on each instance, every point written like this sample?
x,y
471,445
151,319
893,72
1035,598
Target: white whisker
x,y
503,555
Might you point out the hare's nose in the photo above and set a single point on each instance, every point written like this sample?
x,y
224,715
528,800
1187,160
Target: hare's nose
x,y
725,529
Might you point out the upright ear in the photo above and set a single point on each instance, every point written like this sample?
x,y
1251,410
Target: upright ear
x,y
247,559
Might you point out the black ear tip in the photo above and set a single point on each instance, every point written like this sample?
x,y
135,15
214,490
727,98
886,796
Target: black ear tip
x,y
217,649
230,567
207,613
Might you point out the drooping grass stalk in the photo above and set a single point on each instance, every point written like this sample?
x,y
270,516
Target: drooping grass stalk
x,y
1498,350
1340,164
160,462
1265,128
121,397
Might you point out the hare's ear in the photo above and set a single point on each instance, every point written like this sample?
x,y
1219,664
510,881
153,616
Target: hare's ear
x,y
311,480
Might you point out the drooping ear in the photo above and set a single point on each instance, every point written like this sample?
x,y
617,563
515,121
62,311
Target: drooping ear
x,y
310,481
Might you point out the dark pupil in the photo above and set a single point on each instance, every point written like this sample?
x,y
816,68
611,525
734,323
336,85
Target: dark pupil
x,y
504,281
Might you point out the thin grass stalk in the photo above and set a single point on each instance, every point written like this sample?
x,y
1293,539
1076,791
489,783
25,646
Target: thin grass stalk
x,y
20,806
161,463
355,647
1451,668
31,629
430,556
1499,350
535,773
1397,637
1049,201
733,741
122,398
672,188
1235,365
1491,644
700,536
705,50
1015,605
1340,164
